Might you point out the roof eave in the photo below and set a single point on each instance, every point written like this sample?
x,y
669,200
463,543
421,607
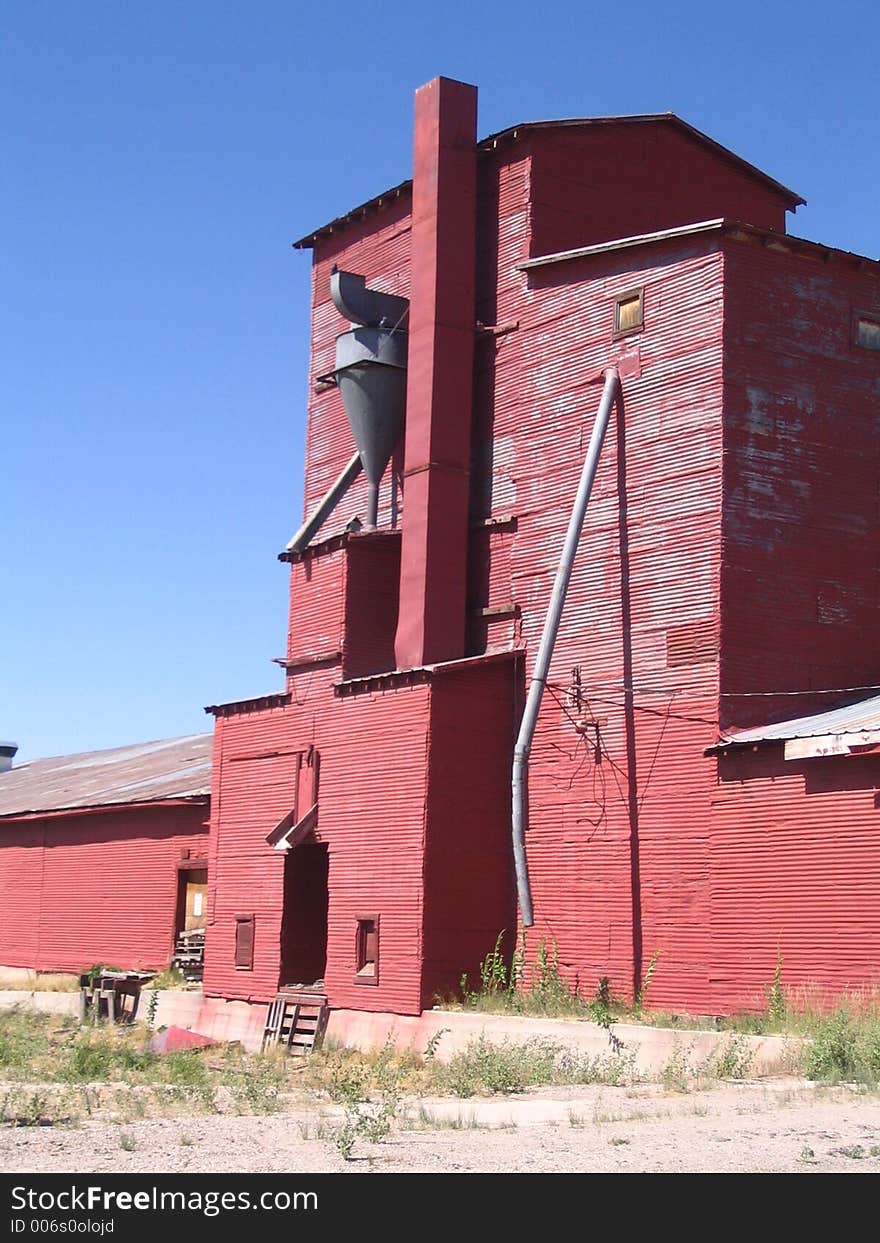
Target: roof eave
x,y
202,798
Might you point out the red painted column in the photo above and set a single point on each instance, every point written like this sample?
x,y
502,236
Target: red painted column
x,y
439,396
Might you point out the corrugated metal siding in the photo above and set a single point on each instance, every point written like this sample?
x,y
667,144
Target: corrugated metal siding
x,y
21,881
795,872
373,750
618,850
95,888
795,853
634,845
468,867
372,593
316,605
595,184
801,464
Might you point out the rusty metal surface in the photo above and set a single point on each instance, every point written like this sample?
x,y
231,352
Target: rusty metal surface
x,y
171,768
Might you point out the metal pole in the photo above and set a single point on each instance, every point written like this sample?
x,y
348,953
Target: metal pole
x,y
325,508
548,640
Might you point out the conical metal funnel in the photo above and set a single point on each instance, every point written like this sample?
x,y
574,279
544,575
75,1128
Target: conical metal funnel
x,y
371,375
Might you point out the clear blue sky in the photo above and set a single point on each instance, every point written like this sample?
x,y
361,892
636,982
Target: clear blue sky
x,y
158,159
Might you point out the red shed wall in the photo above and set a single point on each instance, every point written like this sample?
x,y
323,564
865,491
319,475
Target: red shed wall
x,y
795,872
21,881
96,887
801,535
618,849
595,183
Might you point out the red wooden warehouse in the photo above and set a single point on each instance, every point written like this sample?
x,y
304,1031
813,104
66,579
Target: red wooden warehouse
x,y
701,783
103,855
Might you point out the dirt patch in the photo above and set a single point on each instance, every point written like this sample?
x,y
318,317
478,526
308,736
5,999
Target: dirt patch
x,y
771,1126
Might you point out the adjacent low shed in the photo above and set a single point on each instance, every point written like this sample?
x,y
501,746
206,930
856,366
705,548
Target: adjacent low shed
x,y
102,854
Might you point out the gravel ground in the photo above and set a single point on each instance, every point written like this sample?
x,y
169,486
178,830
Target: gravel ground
x,y
772,1126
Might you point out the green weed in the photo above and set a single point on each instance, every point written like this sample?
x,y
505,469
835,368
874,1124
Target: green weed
x,y
733,1060
676,1074
846,1047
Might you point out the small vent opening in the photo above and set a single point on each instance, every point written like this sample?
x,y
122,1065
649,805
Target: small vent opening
x,y
866,332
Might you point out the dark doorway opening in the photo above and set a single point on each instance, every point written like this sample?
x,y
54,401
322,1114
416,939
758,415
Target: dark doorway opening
x,y
304,924
192,900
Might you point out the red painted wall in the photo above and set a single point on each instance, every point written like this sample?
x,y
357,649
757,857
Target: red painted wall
x,y
735,438
595,183
372,570
467,871
373,749
439,386
795,867
96,887
801,464
380,751
795,872
618,843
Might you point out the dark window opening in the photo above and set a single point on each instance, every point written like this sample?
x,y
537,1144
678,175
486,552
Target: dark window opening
x,y
629,313
244,942
367,949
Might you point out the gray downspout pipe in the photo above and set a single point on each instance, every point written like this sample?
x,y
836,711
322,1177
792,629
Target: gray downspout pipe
x,y
548,641
326,505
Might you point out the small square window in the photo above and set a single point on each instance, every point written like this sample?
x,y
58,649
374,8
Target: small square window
x,y
629,312
367,949
866,331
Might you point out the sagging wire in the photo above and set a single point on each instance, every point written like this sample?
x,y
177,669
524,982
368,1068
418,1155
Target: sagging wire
x,y
615,703
601,802
601,750
682,690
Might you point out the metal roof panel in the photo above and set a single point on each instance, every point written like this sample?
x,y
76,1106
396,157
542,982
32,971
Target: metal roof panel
x,y
856,718
170,768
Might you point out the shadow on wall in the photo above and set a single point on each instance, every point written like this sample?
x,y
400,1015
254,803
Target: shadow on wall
x,y
632,784
820,776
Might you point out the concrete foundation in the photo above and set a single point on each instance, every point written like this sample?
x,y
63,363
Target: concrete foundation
x,y
40,1002
446,1032
651,1048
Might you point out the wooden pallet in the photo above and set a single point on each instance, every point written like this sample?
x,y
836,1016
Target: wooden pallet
x,y
296,1022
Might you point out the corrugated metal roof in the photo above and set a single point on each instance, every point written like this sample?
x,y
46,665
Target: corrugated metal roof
x,y
862,717
145,773
514,131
